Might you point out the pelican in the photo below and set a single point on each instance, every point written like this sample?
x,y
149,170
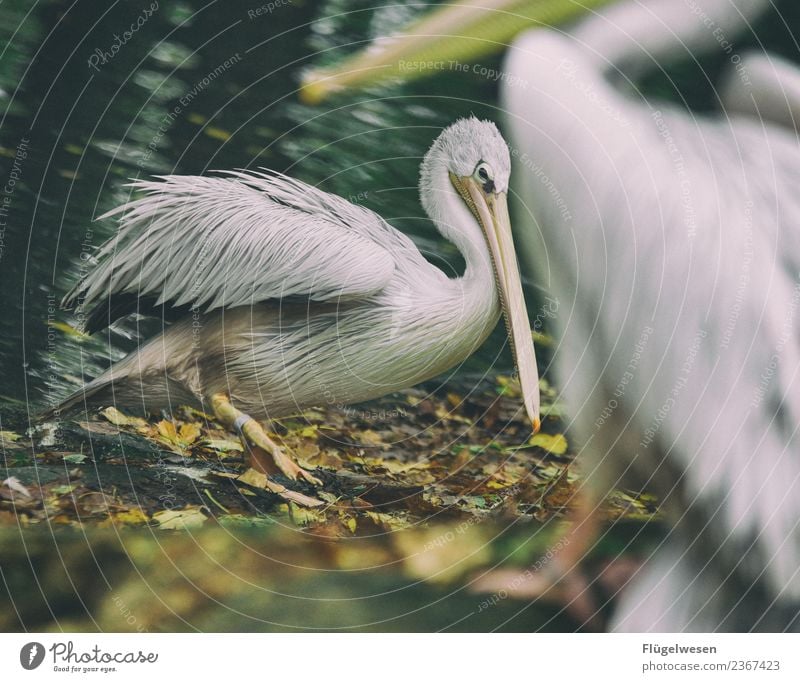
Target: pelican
x,y
285,297
672,242
678,266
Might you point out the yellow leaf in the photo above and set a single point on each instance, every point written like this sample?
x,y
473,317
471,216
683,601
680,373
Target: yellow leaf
x,y
130,517
253,478
510,386
303,516
189,432
167,430
199,119
9,436
218,133
369,437
543,340
454,399
310,431
116,417
350,522
68,329
395,466
180,519
554,444
223,445
389,521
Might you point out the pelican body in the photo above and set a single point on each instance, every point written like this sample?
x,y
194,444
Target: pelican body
x,y
677,267
288,297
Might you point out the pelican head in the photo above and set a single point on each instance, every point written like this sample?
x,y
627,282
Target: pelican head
x,y
463,186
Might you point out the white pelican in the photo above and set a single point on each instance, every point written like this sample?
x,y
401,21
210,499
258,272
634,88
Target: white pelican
x,y
288,297
672,242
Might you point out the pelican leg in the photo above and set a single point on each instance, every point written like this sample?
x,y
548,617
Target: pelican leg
x,y
565,572
265,454
562,579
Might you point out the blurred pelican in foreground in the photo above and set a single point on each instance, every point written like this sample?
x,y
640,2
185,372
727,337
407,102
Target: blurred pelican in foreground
x,y
286,297
673,244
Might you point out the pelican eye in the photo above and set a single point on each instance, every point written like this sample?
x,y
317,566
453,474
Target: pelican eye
x,y
483,174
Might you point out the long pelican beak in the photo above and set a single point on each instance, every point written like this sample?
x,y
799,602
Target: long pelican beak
x,y
491,211
460,32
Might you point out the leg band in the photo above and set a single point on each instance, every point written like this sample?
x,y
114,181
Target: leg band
x,y
240,421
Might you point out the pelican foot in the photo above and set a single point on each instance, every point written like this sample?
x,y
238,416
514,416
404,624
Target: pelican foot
x,y
266,456
562,578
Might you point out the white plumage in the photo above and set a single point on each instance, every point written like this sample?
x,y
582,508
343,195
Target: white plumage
x,y
677,268
288,297
186,237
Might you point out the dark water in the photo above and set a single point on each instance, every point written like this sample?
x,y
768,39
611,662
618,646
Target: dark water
x,y
200,86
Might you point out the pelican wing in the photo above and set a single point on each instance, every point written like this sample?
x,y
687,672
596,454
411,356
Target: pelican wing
x,y
240,239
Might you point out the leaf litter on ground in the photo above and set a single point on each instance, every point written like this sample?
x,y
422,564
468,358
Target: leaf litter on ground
x,y
408,460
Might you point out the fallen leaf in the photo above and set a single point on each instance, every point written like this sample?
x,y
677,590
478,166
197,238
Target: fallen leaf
x,y
129,517
254,478
223,445
555,444
167,430
303,516
180,519
257,479
9,436
189,433
116,417
389,521
178,439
